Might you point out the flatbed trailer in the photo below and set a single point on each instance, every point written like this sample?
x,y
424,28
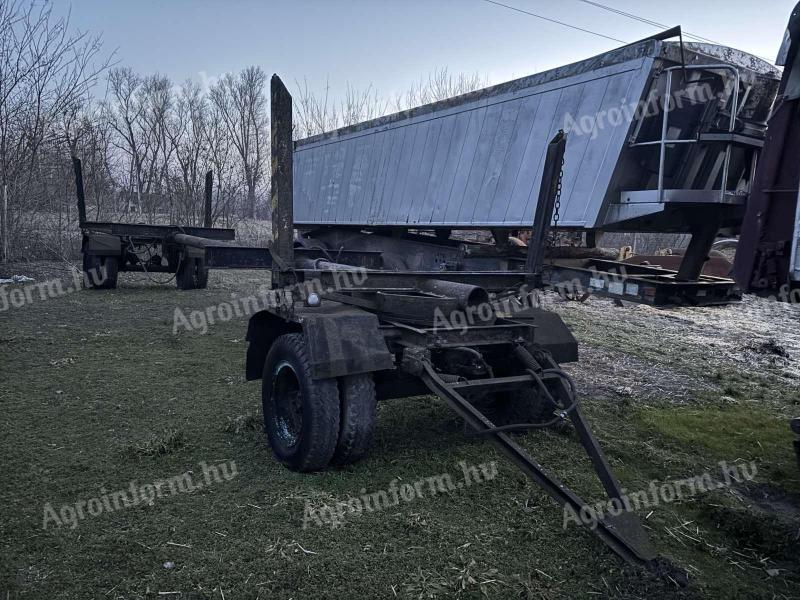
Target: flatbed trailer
x,y
188,252
338,338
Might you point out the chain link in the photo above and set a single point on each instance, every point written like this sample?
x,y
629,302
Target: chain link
x,y
556,213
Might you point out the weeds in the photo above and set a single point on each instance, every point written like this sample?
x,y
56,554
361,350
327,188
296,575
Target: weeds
x,y
244,424
167,443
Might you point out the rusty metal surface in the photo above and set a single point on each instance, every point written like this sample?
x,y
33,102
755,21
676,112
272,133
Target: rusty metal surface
x,y
768,254
716,266
281,174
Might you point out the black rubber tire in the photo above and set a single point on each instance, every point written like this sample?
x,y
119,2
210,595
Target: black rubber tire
x,y
201,274
100,272
358,408
315,442
186,277
111,265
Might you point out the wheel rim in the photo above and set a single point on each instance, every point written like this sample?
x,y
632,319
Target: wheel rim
x,y
287,399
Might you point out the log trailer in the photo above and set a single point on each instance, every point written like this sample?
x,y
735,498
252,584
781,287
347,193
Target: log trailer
x,y
109,248
339,338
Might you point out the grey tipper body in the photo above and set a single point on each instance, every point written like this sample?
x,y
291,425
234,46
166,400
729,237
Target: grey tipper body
x,y
476,160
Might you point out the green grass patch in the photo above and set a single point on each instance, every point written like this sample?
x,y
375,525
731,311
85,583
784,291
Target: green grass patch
x,y
733,433
96,393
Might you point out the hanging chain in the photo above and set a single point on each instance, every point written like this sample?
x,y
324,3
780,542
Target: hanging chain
x,y
556,213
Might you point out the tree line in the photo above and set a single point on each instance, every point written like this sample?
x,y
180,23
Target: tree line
x,y
145,140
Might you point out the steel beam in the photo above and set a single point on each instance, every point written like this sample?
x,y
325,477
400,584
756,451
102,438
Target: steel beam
x,y
142,230
209,189
548,195
282,184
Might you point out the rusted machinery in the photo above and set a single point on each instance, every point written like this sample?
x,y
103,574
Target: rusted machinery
x,y
768,254
338,339
110,248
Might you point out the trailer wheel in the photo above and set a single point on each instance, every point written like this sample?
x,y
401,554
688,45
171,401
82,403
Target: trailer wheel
x,y
192,274
357,418
301,414
100,272
186,277
202,274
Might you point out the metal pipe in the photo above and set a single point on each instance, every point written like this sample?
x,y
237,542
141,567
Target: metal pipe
x,y
662,157
195,241
323,264
658,142
466,295
737,81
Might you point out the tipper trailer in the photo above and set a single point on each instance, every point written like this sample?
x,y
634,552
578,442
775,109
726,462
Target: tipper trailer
x,y
664,138
338,338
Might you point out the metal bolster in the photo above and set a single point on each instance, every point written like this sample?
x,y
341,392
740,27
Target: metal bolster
x,y
281,194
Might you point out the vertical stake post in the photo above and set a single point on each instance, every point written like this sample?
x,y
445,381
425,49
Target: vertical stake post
x,y
209,189
281,182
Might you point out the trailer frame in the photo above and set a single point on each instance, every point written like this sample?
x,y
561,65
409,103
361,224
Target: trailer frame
x,y
338,338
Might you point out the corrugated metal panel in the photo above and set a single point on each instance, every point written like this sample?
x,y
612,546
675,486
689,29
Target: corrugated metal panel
x,y
476,163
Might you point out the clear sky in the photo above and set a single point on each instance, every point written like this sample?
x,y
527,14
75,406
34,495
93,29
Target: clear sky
x,y
392,43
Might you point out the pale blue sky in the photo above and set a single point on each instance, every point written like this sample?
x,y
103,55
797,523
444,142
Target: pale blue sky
x,y
391,43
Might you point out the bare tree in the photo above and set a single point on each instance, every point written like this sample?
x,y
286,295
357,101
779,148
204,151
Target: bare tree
x,y
45,71
156,98
188,136
241,101
314,115
439,85
124,112
221,157
89,135
318,113
147,145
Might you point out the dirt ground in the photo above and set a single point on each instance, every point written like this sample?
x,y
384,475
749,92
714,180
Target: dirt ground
x,y
99,392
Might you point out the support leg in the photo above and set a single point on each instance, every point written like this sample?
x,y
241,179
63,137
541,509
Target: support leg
x,y
703,237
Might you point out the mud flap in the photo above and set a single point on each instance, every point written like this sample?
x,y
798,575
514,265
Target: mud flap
x,y
346,342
